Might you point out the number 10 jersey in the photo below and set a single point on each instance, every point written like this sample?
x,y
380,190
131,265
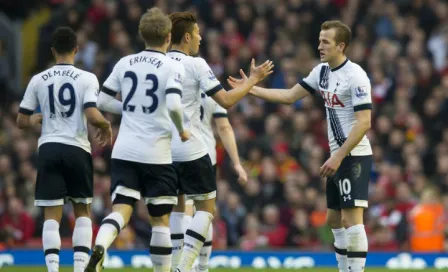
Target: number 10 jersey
x,y
144,79
63,92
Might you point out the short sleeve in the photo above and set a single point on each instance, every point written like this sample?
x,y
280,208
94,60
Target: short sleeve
x,y
30,101
219,112
112,85
175,79
91,92
208,82
361,92
311,82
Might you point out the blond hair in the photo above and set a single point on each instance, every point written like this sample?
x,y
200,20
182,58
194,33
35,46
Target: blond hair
x,y
343,32
154,27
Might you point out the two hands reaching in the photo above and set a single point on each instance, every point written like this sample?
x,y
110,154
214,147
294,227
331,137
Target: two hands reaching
x,y
257,74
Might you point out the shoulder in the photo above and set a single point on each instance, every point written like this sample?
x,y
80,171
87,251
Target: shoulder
x,y
199,62
355,70
174,65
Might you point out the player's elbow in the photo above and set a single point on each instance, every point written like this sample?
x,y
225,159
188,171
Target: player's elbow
x,y
22,121
175,108
225,103
366,124
223,129
101,102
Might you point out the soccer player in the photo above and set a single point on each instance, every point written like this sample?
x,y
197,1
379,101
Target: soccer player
x,y
345,89
193,165
210,110
150,84
67,97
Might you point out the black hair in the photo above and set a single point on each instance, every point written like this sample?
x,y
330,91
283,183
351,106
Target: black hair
x,y
64,40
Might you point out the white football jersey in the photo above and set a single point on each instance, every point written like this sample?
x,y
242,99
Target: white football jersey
x,y
210,110
345,90
199,78
144,79
62,92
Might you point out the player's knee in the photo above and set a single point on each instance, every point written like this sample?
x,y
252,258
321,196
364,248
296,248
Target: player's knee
x,y
156,211
81,210
333,221
180,207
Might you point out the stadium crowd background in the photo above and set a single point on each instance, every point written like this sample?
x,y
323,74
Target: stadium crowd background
x,y
402,44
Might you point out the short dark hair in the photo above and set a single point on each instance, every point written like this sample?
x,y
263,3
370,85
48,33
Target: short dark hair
x,y
64,40
183,22
343,32
154,27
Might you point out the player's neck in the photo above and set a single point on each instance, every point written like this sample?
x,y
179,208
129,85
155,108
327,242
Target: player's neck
x,y
65,60
180,48
156,48
337,61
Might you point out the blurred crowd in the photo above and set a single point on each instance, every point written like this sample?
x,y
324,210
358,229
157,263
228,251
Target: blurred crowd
x,y
403,46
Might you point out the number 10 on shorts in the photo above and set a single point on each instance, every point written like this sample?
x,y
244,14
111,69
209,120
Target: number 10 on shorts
x,y
345,188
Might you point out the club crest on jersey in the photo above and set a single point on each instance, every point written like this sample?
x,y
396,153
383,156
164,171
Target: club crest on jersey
x,y
361,92
211,76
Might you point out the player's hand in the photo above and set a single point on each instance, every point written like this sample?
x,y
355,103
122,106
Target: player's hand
x,y
258,73
184,135
330,167
242,175
36,119
234,82
104,136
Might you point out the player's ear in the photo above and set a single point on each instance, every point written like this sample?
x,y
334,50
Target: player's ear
x,y
187,37
76,49
53,52
168,38
341,47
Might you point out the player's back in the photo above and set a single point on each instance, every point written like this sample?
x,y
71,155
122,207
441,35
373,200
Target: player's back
x,y
63,92
195,147
145,129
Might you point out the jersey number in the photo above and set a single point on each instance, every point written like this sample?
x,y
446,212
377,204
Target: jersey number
x,y
64,102
149,92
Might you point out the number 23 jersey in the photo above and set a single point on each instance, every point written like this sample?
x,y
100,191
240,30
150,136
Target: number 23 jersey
x,y
63,92
144,79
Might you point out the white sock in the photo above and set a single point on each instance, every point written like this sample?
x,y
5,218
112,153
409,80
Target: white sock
x,y
51,241
206,250
177,230
195,237
357,248
187,222
110,227
340,248
160,249
82,242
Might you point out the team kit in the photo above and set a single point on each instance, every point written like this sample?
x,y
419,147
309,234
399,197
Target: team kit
x,y
165,152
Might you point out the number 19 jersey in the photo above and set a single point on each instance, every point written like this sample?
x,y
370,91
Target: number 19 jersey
x,y
144,79
63,92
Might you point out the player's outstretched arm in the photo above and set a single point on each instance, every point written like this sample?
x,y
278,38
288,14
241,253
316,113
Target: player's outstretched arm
x,y
257,74
227,136
283,96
